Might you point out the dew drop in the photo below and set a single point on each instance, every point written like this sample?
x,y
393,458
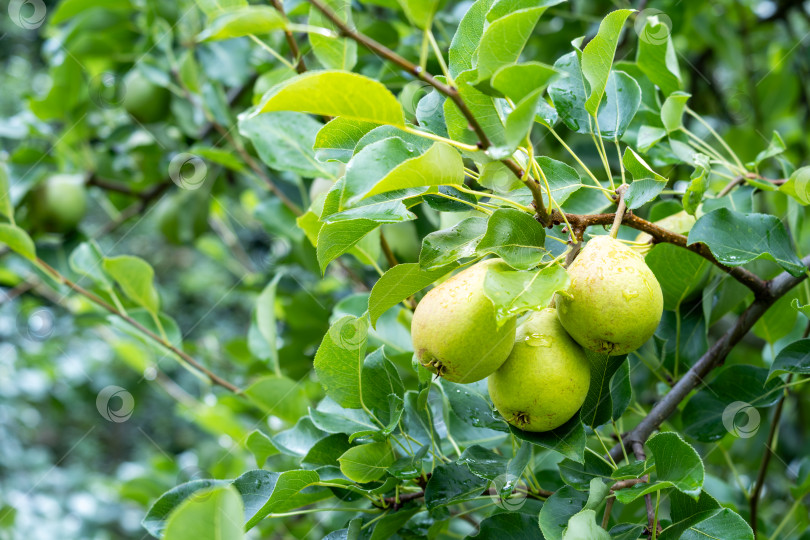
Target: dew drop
x,y
538,340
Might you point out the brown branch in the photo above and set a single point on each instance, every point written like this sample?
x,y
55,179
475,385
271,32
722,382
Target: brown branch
x,y
715,356
450,91
395,504
386,249
300,67
216,379
638,451
659,234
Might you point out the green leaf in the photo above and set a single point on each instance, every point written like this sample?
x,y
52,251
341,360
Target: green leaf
x,y
6,208
484,107
467,37
333,52
443,247
335,239
563,179
568,439
514,236
778,320
580,475
728,404
339,359
381,384
279,396
647,183
335,93
266,492
451,483
517,81
299,439
656,56
472,406
261,446
507,526
332,418
17,240
558,509
795,358
518,126
441,165
775,148
367,462
597,56
680,272
265,316
135,277
336,140
699,183
798,185
504,38
242,22
212,8
677,462
735,239
420,12
400,282
515,292
284,142
622,99
724,524
583,525
215,514
155,520
598,406
672,111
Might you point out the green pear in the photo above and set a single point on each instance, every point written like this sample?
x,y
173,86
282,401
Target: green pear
x,y
680,223
544,381
143,99
454,330
614,303
60,203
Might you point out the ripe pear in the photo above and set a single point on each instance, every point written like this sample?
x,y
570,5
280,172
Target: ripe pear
x,y
614,303
454,330
544,381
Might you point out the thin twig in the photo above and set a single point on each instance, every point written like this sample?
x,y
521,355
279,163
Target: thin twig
x,y
216,379
300,67
638,451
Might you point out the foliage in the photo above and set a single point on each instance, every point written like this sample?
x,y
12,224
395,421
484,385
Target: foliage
x,y
271,188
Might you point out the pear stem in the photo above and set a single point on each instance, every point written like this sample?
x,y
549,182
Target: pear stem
x,y
617,221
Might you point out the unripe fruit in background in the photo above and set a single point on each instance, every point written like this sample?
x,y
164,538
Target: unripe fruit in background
x,y
679,222
614,303
144,100
59,203
545,379
454,331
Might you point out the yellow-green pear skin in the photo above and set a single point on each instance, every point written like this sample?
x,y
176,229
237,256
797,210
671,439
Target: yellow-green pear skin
x,y
454,331
614,303
544,381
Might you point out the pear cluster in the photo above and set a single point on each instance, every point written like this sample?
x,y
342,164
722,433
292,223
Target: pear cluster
x,y
539,372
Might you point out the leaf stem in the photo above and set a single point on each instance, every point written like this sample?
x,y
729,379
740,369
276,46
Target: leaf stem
x,y
439,138
720,139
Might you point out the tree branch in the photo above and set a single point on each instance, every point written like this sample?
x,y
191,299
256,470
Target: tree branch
x,y
300,66
216,379
449,91
774,289
659,234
